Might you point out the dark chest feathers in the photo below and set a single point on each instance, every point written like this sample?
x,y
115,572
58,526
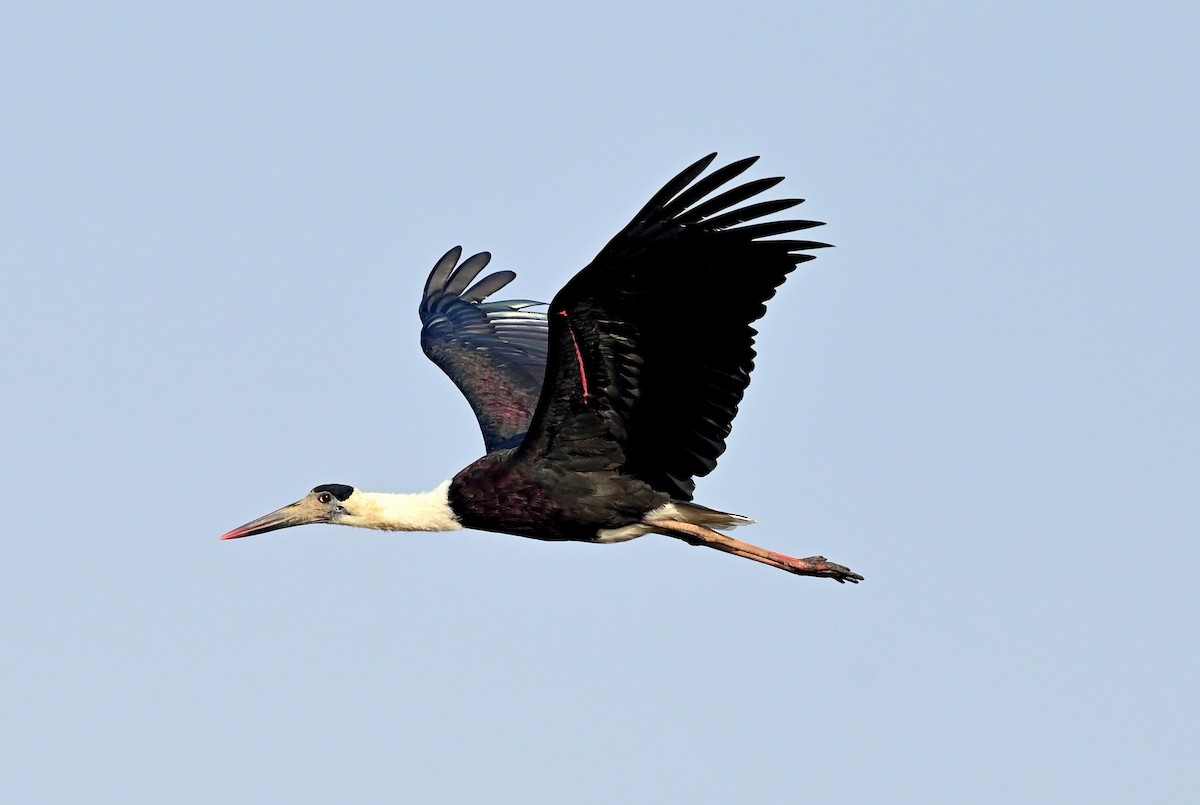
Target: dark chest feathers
x,y
546,502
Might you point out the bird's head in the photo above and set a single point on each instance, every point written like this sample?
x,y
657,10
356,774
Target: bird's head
x,y
328,503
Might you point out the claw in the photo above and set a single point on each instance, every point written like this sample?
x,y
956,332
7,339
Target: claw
x,y
822,567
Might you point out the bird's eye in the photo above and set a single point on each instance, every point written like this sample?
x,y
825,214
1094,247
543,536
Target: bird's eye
x,y
325,498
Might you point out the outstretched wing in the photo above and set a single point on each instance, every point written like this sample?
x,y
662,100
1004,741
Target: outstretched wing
x,y
651,345
495,352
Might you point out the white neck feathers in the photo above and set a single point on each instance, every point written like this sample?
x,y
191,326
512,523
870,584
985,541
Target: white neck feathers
x,y
425,511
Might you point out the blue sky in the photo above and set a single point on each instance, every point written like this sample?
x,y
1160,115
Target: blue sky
x,y
216,222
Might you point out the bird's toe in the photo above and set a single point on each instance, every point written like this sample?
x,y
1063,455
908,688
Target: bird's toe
x,y
822,567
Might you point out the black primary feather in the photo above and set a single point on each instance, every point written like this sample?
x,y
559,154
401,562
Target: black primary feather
x,y
651,345
495,352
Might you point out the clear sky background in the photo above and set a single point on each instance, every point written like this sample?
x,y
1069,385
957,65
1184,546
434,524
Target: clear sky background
x,y
216,222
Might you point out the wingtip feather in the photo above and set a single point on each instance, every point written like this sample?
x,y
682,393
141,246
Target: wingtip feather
x,y
441,270
488,286
466,272
676,185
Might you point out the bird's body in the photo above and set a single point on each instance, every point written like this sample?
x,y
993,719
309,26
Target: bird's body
x,y
598,414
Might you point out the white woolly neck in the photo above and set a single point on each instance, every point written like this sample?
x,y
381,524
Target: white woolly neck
x,y
424,511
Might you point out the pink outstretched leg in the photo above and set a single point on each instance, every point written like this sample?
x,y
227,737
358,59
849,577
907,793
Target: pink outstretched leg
x,y
700,535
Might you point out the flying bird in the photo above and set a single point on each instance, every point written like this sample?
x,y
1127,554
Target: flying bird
x,y
599,413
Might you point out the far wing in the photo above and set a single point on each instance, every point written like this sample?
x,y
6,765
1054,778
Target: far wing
x,y
495,352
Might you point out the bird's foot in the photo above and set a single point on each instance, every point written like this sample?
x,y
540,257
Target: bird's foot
x,y
822,568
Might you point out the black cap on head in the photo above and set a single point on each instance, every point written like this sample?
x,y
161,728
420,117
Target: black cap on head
x,y
339,491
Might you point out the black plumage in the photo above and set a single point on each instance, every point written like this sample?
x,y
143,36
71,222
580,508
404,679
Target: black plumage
x,y
652,346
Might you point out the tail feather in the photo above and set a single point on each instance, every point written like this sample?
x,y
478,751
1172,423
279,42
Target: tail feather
x,y
702,515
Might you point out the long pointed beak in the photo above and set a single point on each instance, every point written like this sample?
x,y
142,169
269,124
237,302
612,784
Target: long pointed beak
x,y
301,512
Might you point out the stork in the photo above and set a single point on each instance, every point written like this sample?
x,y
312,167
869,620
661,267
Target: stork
x,y
598,414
